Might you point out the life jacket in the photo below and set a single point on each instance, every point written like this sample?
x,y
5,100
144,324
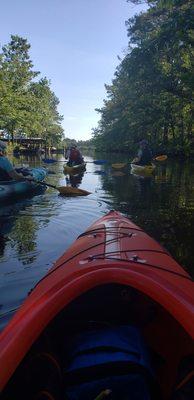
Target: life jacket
x,y
74,155
4,176
146,157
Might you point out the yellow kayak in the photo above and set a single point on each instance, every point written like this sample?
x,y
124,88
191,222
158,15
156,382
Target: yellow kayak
x,y
142,169
74,169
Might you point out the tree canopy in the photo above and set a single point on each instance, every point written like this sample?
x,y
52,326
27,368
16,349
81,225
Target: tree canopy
x,y
152,89
27,104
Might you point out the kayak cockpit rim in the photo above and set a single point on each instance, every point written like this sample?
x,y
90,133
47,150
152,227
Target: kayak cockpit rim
x,y
137,309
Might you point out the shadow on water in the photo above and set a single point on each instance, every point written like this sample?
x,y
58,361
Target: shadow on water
x,y
35,232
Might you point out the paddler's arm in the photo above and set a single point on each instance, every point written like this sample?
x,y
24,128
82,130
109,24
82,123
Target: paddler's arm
x,y
18,177
10,170
135,160
138,158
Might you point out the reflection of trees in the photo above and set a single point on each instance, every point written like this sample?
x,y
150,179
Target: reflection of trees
x,y
2,245
20,230
24,238
163,206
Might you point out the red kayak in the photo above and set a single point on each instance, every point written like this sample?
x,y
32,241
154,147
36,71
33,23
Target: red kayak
x,y
113,317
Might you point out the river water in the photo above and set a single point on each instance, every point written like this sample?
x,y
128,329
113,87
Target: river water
x,y
34,232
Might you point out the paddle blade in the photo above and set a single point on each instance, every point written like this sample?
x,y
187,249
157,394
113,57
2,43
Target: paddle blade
x,y
99,162
119,165
72,191
161,158
49,160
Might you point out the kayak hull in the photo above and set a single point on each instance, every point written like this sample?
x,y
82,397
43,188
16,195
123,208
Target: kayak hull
x,y
112,253
74,169
142,169
15,189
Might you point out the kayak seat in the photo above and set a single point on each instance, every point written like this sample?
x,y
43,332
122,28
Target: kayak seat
x,y
114,359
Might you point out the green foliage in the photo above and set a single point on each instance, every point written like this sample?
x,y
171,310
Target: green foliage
x,y
26,105
152,90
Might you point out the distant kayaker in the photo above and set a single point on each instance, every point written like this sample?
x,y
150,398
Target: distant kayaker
x,y
144,155
74,155
7,171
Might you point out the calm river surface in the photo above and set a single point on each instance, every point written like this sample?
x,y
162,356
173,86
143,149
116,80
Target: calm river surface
x,y
35,232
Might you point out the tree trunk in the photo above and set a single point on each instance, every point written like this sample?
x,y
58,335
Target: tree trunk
x,y
165,135
173,131
12,136
182,131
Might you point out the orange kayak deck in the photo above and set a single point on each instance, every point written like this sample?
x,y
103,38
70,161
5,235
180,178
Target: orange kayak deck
x,y
112,251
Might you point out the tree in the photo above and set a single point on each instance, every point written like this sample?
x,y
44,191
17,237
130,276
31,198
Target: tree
x,y
44,111
151,93
15,77
25,104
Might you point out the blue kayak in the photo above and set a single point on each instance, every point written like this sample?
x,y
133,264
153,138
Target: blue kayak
x,y
13,189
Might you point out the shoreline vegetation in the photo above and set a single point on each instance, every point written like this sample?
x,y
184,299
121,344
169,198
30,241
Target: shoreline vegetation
x,y
151,94
150,97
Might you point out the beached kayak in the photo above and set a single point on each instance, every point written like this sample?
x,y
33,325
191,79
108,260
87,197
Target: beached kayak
x,y
75,169
113,315
142,169
14,189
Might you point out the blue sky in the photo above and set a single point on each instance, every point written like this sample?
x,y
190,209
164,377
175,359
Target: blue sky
x,y
75,44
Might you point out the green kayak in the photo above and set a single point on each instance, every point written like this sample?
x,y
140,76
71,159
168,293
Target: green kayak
x,y
74,169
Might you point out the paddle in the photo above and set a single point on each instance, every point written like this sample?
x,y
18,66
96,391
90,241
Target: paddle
x,y
160,158
51,161
64,190
97,162
100,162
103,394
122,165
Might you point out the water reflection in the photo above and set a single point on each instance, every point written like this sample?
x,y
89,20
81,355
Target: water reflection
x,y
162,204
118,173
99,172
74,180
18,228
